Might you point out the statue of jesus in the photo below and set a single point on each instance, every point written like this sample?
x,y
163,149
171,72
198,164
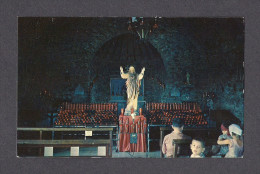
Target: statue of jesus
x,y
133,84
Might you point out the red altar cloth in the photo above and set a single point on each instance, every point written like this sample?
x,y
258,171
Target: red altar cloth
x,y
126,127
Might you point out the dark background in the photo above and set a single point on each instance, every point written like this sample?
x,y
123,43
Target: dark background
x,y
9,72
56,55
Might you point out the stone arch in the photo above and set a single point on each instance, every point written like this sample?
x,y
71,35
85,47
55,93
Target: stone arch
x,y
125,50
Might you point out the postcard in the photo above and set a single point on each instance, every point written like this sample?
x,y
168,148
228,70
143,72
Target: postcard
x,y
130,87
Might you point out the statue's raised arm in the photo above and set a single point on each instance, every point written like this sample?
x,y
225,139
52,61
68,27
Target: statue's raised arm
x,y
123,75
141,75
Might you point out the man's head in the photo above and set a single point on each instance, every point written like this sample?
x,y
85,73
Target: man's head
x,y
131,69
177,124
197,146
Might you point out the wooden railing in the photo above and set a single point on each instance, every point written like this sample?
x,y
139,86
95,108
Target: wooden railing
x,y
67,143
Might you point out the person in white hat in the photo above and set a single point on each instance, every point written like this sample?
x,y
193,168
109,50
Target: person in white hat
x,y
235,145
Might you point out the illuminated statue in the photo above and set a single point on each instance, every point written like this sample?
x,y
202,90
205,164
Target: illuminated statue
x,y
133,84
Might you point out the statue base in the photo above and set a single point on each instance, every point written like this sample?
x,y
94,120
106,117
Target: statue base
x,y
128,113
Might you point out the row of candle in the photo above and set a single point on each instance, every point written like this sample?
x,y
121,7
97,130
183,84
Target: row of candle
x,y
159,114
86,106
81,124
185,106
186,122
77,117
188,119
82,118
92,112
84,121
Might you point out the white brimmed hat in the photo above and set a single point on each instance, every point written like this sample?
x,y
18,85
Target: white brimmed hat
x,y
235,129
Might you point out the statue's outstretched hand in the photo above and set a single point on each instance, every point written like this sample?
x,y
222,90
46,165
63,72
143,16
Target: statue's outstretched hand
x,y
121,68
143,69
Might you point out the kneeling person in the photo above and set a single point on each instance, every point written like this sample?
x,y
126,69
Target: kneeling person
x,y
168,148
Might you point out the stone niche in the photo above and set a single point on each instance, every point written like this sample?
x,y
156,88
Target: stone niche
x,y
79,95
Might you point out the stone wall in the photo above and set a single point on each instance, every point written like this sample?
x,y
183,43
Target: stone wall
x,y
58,54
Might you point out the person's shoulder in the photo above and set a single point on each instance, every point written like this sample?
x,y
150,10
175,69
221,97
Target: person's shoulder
x,y
167,136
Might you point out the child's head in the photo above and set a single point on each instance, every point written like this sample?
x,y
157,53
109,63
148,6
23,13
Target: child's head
x,y
197,146
224,128
177,124
235,131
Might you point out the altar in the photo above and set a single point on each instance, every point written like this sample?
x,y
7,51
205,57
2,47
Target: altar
x,y
132,133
